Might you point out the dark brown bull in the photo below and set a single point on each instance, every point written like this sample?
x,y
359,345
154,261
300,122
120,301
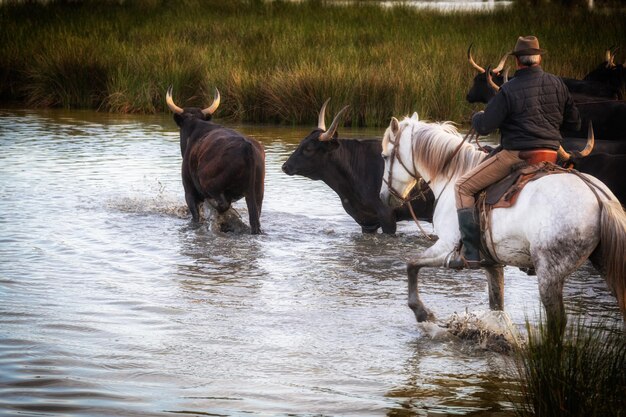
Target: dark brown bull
x,y
219,165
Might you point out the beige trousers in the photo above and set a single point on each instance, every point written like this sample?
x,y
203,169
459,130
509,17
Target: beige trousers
x,y
483,175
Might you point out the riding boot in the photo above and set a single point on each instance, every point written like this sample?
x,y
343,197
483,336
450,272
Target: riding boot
x,y
470,236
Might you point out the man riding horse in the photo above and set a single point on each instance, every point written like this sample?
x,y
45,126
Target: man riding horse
x,y
529,110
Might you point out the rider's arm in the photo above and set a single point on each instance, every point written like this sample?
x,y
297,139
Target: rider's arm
x,y
489,120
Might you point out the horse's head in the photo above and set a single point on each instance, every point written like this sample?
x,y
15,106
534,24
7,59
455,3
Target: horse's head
x,y
400,174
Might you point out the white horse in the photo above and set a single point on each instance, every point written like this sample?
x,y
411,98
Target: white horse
x,y
555,225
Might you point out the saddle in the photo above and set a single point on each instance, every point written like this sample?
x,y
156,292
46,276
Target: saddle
x,y
504,193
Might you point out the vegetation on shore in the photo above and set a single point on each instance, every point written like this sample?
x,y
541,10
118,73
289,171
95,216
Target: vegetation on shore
x,y
277,61
584,374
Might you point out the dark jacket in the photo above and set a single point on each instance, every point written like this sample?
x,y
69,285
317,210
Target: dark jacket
x,y
529,110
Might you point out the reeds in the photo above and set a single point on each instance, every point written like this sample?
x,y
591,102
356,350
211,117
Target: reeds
x,y
584,374
276,61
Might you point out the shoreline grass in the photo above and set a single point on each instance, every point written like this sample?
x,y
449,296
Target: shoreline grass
x,y
583,374
276,62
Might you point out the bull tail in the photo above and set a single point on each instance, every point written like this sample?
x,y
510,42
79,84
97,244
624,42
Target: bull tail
x,y
613,248
254,195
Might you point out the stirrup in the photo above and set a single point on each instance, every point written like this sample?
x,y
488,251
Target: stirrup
x,y
456,261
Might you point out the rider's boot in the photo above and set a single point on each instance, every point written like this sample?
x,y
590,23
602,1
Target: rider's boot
x,y
470,236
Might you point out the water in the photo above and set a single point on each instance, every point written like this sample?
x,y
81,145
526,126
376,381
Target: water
x,y
113,303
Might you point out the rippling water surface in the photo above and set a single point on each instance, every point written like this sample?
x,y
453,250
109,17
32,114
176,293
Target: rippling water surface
x,y
113,303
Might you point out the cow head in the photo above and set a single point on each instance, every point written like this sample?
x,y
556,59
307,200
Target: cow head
x,y
314,149
481,90
181,116
609,73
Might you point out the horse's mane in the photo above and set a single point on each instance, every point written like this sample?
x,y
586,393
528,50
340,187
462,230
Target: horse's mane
x,y
433,143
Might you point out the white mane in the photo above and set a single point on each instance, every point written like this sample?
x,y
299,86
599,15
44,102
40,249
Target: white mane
x,y
433,143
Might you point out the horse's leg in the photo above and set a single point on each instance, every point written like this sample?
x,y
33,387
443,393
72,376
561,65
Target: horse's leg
x,y
415,304
433,256
495,281
551,277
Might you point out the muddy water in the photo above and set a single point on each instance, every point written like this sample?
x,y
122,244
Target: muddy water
x,y
113,303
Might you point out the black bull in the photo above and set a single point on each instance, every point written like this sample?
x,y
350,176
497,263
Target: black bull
x,y
354,170
607,168
219,165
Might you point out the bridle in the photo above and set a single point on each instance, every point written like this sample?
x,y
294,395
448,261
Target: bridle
x,y
423,185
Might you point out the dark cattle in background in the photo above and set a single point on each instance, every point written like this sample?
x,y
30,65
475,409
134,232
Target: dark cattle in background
x,y
607,115
613,147
219,165
482,89
354,170
610,169
610,74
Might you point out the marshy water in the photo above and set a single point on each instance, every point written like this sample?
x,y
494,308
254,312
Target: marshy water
x,y
113,303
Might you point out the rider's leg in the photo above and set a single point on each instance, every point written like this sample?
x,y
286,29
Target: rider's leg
x,y
483,175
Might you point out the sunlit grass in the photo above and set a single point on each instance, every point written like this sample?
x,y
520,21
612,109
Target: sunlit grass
x,y
584,374
276,61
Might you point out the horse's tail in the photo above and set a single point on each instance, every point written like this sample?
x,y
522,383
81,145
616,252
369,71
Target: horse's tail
x,y
613,246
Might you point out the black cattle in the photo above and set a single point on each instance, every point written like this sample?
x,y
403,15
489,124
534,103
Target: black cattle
x,y
610,169
610,74
354,170
607,115
219,165
613,147
485,85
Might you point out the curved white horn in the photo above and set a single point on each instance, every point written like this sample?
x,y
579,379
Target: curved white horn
x,y
216,102
566,156
562,154
500,64
590,141
506,75
170,102
321,124
328,135
490,80
471,60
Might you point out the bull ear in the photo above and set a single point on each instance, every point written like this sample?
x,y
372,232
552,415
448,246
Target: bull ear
x,y
394,126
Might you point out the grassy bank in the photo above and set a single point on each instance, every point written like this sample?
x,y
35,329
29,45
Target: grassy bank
x,y
276,62
582,375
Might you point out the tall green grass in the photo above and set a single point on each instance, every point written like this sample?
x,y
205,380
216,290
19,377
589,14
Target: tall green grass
x,y
277,61
582,375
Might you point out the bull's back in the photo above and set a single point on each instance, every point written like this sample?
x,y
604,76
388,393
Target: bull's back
x,y
226,162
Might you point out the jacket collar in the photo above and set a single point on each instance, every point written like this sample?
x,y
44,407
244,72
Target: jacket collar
x,y
528,71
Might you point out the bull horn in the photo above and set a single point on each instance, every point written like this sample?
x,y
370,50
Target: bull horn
x,y
328,135
590,141
170,102
471,60
566,156
501,64
610,57
321,124
506,75
490,80
562,154
216,102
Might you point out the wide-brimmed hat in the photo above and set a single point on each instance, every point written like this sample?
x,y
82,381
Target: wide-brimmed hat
x,y
527,45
